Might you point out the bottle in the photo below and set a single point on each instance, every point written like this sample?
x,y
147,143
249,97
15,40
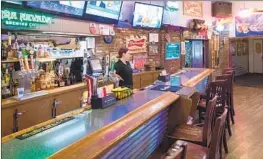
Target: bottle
x,y
3,52
33,85
7,77
12,83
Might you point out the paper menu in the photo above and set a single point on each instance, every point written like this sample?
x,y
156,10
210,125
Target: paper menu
x,y
154,37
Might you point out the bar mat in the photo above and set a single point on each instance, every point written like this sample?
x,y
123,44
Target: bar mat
x,y
39,130
166,88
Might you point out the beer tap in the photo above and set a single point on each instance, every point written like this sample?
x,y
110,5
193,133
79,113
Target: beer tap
x,y
54,107
15,116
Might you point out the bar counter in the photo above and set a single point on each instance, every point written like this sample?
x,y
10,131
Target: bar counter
x,y
133,127
49,142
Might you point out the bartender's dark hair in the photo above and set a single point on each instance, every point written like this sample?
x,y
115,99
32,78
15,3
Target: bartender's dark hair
x,y
122,51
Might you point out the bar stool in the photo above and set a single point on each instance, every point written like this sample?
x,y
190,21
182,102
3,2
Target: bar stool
x,y
199,152
231,91
229,79
218,88
194,133
230,69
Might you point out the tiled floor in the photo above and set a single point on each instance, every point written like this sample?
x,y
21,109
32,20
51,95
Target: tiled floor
x,y
247,139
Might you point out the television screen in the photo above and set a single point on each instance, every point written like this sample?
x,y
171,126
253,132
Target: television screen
x,y
14,2
103,11
172,51
107,9
148,16
68,7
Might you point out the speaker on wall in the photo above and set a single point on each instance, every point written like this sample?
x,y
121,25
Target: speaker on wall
x,y
221,9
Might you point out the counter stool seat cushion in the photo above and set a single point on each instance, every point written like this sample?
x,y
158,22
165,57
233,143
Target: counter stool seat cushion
x,y
196,151
188,133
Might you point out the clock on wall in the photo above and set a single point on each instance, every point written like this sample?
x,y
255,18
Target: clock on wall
x,y
108,39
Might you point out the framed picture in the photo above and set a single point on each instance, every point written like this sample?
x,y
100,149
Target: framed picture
x,y
153,49
193,8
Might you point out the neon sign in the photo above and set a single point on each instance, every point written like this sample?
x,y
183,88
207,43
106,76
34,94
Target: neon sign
x,y
23,18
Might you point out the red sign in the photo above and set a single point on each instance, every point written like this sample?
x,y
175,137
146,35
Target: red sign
x,y
136,45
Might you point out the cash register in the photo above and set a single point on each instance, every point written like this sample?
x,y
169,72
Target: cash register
x,y
94,71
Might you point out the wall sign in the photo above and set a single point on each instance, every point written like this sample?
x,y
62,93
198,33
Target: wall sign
x,y
250,26
193,8
23,18
172,51
136,44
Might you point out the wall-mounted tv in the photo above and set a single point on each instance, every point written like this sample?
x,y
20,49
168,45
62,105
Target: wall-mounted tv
x,y
75,8
147,15
103,11
172,51
14,2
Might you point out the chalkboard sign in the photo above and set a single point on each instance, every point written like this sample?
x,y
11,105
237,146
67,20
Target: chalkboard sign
x,y
172,51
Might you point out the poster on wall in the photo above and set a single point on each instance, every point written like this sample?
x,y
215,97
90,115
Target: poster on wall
x,y
239,48
153,49
139,61
172,51
249,26
193,8
136,44
233,47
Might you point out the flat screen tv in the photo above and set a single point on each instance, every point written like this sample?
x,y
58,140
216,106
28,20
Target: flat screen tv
x,y
14,2
75,8
147,15
103,11
172,51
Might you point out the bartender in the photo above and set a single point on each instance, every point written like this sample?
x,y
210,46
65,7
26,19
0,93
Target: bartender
x,y
122,68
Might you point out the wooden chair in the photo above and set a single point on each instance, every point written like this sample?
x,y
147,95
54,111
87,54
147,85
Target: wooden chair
x,y
177,151
194,151
231,91
215,88
230,69
197,134
229,79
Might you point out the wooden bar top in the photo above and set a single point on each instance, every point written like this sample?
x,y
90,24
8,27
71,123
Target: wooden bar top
x,y
94,145
146,72
198,78
97,130
12,102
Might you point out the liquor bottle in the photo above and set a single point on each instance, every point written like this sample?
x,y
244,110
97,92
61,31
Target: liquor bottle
x,y
12,82
3,52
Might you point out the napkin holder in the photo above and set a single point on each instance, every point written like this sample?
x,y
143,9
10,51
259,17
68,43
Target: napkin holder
x,y
164,78
103,102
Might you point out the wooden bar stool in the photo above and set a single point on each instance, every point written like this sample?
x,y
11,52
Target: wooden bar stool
x,y
218,88
230,69
197,134
229,79
193,151
231,95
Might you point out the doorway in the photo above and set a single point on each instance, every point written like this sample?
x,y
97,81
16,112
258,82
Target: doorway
x,y
195,53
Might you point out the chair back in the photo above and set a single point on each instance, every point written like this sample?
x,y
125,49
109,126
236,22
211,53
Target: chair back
x,y
218,88
214,148
209,116
176,151
229,79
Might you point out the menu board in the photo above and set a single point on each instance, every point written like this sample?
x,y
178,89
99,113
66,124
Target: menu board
x,y
107,9
172,51
68,7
